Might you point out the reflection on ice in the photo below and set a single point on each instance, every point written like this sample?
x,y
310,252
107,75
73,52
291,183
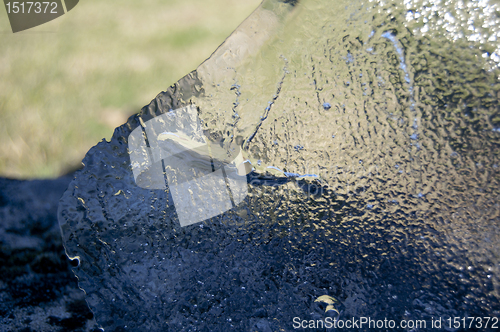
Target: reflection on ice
x,y
325,150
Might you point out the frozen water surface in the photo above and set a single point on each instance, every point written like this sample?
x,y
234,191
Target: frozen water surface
x,y
416,241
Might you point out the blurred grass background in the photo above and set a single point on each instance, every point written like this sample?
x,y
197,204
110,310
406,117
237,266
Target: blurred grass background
x,y
65,85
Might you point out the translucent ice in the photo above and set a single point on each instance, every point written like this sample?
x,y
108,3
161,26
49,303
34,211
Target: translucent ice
x,y
383,241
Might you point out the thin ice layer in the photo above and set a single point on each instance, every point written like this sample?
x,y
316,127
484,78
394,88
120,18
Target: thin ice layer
x,y
401,125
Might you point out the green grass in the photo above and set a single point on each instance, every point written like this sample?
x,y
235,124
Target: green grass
x,y
66,85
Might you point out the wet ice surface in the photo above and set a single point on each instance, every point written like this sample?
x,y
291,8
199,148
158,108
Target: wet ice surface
x,y
399,124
